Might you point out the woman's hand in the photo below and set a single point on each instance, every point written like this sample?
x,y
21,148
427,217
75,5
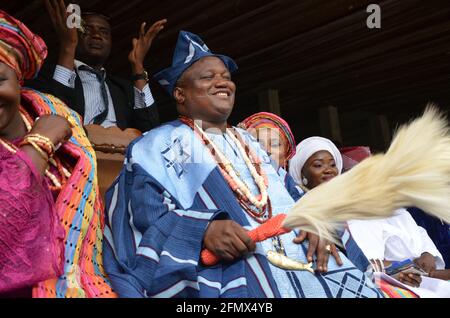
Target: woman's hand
x,y
54,127
321,247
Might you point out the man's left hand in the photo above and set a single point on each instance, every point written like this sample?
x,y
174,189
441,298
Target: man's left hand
x,y
426,262
142,44
318,246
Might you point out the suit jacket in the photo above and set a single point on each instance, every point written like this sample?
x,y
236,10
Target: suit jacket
x,y
122,94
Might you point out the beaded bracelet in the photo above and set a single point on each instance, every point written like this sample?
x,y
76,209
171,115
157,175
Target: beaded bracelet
x,y
43,139
38,141
43,153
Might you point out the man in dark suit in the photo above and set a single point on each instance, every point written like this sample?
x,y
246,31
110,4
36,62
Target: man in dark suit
x,y
80,80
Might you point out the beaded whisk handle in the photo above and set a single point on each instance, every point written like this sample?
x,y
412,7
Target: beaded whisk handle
x,y
271,228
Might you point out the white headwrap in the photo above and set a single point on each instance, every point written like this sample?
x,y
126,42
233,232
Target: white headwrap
x,y
306,149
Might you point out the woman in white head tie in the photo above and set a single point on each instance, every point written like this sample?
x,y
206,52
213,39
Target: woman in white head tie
x,y
317,160
383,241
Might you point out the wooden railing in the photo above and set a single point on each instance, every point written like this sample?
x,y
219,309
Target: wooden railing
x,y
110,145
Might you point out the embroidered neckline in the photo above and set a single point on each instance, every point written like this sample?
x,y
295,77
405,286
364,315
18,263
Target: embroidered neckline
x,y
256,206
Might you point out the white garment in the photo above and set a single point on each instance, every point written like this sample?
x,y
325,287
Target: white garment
x,y
394,239
398,238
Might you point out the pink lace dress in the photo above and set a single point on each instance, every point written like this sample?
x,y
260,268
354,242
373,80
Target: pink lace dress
x,y
31,238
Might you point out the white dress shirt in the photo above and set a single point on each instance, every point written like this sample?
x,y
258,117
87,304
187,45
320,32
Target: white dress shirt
x,y
93,96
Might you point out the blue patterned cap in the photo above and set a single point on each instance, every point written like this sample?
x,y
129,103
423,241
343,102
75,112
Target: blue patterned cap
x,y
189,49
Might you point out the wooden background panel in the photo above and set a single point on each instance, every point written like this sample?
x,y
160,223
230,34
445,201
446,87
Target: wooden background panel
x,y
314,53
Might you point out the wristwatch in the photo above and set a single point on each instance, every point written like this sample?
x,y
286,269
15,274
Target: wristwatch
x,y
142,76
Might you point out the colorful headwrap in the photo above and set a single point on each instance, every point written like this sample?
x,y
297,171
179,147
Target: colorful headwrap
x,y
189,49
20,49
269,120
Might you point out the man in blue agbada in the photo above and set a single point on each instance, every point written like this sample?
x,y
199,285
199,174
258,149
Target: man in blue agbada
x,y
195,183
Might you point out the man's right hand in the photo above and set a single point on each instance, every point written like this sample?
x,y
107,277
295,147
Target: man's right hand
x,y
228,240
68,36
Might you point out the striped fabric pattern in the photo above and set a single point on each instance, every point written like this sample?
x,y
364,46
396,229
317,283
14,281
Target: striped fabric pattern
x,y
80,210
391,291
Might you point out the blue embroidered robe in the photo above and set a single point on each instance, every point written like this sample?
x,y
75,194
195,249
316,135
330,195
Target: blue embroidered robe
x,y
158,210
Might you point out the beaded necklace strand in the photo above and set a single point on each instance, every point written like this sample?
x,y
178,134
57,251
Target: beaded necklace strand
x,y
255,206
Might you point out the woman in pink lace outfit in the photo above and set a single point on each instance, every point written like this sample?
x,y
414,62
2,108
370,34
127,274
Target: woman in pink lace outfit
x,y
31,238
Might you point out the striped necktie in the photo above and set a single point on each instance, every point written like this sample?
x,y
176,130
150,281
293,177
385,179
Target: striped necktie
x,y
101,76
